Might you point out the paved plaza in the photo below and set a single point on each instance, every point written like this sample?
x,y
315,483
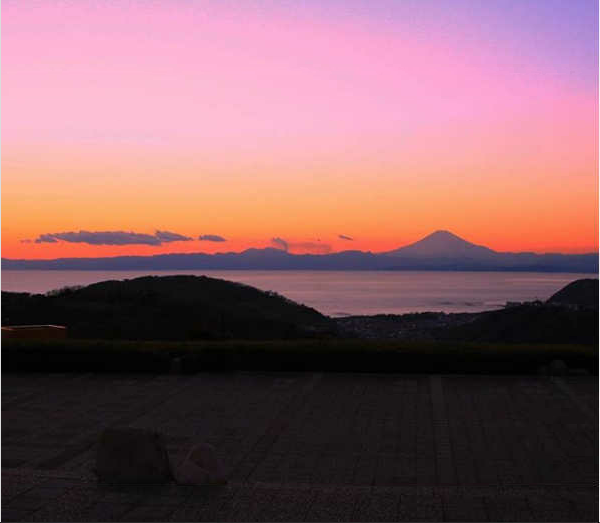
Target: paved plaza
x,y
310,447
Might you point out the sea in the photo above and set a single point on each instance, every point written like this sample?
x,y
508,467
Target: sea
x,y
346,293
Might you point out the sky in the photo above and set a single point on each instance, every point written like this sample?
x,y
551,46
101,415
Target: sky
x,y
138,127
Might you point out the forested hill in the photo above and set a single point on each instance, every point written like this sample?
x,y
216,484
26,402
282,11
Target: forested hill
x,y
580,293
568,316
167,308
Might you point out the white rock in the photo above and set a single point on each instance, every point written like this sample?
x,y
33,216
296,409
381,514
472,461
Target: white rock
x,y
201,466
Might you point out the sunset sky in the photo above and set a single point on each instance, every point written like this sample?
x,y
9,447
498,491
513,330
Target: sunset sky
x,y
328,124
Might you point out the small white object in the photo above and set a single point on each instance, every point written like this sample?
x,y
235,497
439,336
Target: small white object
x,y
201,466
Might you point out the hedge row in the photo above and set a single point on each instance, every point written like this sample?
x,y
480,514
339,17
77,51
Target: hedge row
x,y
309,355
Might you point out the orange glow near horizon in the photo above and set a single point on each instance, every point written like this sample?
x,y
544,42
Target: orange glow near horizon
x,y
257,123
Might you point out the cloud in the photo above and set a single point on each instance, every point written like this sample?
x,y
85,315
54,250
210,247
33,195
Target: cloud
x,y
46,238
112,237
344,237
306,247
280,243
211,238
166,236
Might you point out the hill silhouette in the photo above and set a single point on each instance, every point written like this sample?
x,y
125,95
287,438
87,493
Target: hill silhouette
x,y
529,323
555,321
580,293
168,308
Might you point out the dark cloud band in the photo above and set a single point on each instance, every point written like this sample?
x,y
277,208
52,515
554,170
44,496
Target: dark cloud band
x,y
112,237
211,238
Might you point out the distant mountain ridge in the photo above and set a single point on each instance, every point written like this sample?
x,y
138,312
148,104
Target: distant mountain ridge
x,y
440,250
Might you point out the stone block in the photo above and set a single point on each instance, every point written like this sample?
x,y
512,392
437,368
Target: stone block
x,y
132,456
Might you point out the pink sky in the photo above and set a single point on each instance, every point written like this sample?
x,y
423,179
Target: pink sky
x,y
263,121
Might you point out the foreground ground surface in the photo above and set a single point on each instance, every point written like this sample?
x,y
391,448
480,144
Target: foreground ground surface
x,y
310,447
